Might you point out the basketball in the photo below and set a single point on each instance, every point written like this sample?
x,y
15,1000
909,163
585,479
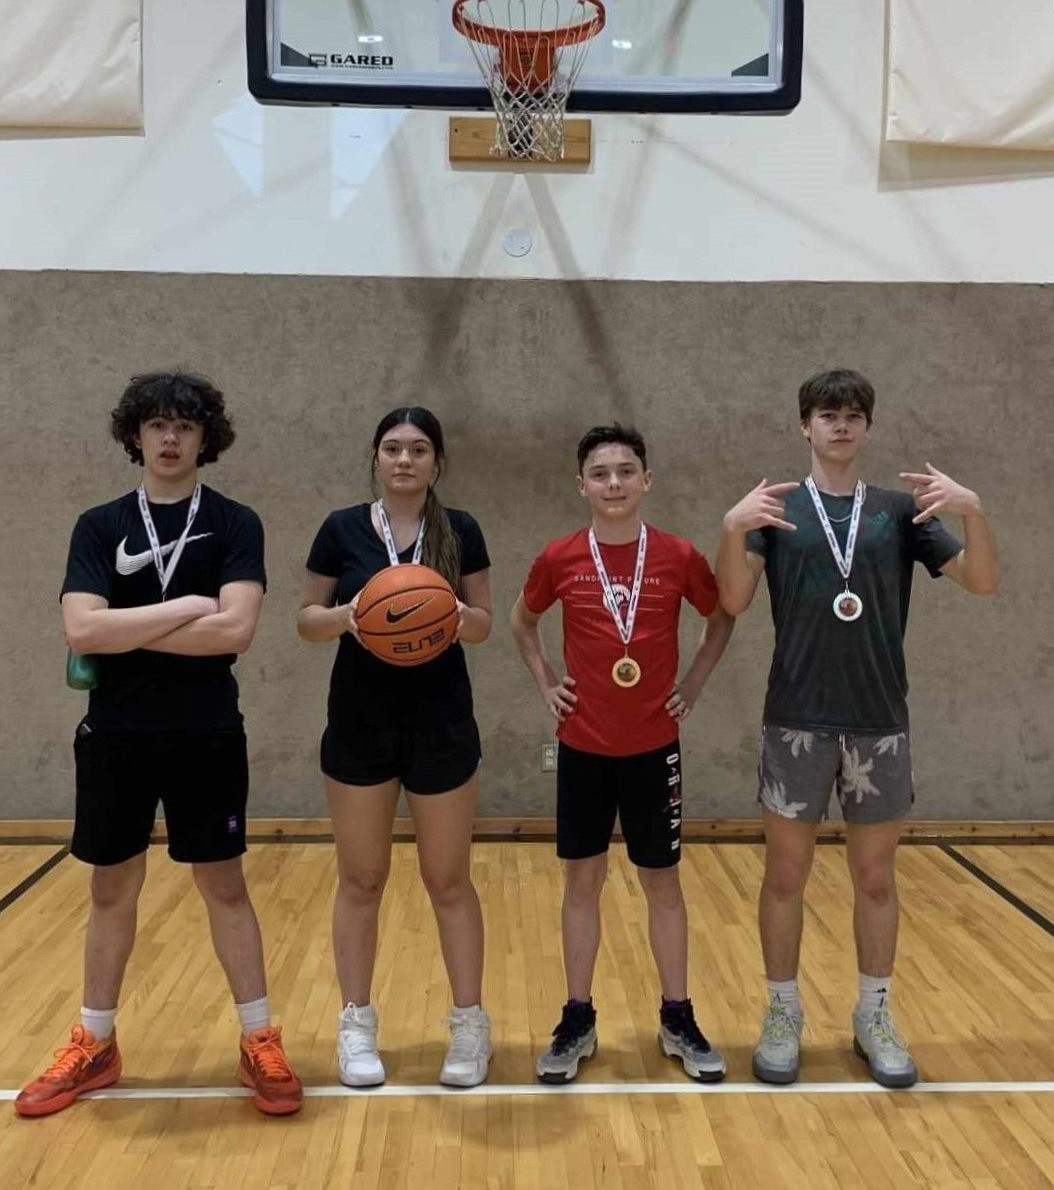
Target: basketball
x,y
407,614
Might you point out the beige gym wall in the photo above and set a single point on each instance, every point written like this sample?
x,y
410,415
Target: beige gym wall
x,y
516,371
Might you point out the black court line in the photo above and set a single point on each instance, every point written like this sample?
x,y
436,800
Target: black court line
x,y
1030,911
10,898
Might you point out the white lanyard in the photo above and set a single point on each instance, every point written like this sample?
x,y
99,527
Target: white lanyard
x,y
389,540
165,573
625,630
844,562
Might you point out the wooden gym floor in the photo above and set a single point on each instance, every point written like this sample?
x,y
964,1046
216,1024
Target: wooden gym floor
x,y
974,992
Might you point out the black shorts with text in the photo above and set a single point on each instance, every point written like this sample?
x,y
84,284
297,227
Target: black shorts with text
x,y
200,778
643,790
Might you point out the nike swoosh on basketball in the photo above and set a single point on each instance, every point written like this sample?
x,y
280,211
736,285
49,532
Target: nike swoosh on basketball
x,y
127,563
394,617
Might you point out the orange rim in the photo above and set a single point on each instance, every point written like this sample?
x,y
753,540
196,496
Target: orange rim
x,y
526,56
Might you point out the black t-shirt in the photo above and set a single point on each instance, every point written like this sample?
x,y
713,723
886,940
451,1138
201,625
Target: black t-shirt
x,y
364,690
110,556
829,675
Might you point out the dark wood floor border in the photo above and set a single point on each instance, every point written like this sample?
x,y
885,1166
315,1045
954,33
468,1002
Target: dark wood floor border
x,y
693,830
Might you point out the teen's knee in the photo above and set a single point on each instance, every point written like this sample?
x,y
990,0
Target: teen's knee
x,y
874,879
118,885
221,884
584,879
662,886
786,876
362,886
445,885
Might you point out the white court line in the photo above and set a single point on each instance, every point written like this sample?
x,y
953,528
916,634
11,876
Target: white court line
x,y
498,1090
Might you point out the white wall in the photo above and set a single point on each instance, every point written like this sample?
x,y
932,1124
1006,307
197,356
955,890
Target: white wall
x,y
220,185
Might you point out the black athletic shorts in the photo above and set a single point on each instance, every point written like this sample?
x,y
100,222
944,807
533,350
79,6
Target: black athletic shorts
x,y
429,758
644,790
201,779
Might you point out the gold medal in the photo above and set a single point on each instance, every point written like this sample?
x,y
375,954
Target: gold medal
x,y
625,672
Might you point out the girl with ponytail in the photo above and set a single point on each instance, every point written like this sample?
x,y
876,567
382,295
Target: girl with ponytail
x,y
391,729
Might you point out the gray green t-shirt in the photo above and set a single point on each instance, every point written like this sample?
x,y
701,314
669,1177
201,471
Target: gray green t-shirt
x,y
827,674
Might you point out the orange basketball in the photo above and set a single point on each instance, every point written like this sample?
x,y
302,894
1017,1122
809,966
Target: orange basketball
x,y
407,614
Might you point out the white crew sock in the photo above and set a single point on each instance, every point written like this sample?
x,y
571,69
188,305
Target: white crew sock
x,y
785,992
256,1014
98,1021
874,993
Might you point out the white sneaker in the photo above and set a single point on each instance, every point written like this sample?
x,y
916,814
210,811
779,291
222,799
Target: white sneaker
x,y
358,1062
465,1064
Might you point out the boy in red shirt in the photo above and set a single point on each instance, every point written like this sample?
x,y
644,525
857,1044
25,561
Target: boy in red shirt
x,y
619,705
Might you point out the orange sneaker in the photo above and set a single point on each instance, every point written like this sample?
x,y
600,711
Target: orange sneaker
x,y
82,1065
265,1069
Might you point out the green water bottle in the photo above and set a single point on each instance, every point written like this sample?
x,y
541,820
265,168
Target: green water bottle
x,y
82,671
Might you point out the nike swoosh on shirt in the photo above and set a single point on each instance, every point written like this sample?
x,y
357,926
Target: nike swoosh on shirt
x,y
127,563
394,617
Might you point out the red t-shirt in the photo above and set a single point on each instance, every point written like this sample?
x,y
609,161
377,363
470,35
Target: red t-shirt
x,y
614,720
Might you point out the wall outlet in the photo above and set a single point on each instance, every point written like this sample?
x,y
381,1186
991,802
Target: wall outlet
x,y
548,758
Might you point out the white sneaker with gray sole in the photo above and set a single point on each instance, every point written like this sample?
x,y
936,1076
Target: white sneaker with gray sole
x,y
876,1040
358,1061
468,1057
777,1054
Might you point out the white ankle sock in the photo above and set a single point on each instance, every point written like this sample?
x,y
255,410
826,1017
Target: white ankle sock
x,y
874,993
99,1021
255,1014
784,992
467,1010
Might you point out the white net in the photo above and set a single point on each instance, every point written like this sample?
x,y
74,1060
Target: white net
x,y
530,52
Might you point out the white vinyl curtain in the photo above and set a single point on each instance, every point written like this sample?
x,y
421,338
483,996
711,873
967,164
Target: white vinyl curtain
x,y
972,72
71,64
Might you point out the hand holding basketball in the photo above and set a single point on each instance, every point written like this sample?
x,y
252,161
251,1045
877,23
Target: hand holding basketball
x,y
761,506
405,615
353,624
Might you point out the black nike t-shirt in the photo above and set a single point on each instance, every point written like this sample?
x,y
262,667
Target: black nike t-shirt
x,y
827,674
110,556
363,690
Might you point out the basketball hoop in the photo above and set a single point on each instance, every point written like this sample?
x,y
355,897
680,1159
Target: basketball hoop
x,y
529,71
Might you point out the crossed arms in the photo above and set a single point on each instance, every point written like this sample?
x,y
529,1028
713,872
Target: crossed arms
x,y
191,626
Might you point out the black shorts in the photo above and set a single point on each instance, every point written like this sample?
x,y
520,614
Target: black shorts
x,y
644,790
432,758
200,778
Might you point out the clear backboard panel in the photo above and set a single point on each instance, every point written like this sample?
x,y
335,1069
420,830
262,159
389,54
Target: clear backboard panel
x,y
651,56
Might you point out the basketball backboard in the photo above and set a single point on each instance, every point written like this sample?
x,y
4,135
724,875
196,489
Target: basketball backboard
x,y
652,56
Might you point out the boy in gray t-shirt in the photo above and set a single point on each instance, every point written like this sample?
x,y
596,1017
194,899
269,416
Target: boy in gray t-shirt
x,y
838,557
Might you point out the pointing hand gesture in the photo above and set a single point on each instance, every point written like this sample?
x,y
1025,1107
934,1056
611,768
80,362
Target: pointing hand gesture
x,y
936,492
761,506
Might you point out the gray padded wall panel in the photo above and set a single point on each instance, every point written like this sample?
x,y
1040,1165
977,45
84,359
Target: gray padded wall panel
x,y
516,371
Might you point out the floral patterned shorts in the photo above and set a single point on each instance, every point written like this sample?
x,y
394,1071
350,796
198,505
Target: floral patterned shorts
x,y
799,770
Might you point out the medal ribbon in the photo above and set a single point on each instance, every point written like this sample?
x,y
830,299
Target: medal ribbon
x,y
389,540
844,562
625,630
165,573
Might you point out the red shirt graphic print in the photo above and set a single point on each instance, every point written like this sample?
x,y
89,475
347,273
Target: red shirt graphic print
x,y
610,720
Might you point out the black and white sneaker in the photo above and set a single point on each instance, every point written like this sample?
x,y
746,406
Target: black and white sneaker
x,y
574,1038
680,1037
